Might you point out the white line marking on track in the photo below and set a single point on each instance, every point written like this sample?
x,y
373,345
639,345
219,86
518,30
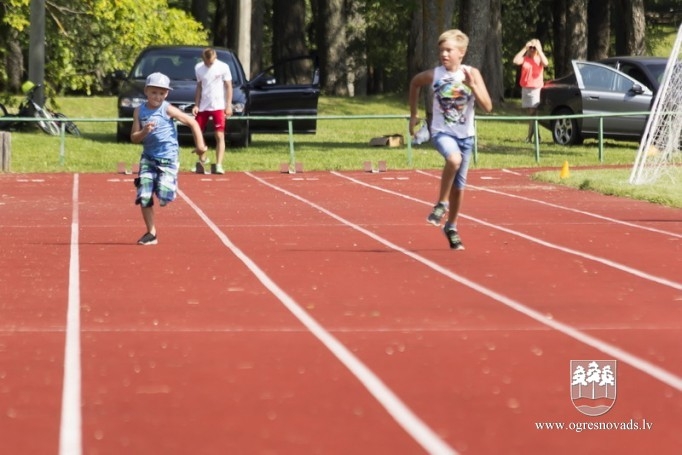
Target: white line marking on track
x,y
643,365
70,429
569,209
607,262
581,212
412,424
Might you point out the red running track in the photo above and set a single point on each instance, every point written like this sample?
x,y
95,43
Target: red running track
x,y
319,313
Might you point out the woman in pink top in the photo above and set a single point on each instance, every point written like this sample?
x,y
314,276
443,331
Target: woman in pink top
x,y
533,62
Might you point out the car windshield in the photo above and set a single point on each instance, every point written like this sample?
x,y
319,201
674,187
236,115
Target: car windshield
x,y
178,65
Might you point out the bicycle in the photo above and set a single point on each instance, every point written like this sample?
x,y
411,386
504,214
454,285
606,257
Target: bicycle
x,y
29,108
69,126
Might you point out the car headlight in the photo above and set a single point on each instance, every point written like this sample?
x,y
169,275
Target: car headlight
x,y
131,102
186,107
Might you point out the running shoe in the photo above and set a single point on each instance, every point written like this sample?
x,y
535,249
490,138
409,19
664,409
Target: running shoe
x,y
437,214
148,239
219,169
453,238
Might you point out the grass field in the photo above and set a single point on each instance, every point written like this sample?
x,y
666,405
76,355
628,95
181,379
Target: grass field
x,y
343,144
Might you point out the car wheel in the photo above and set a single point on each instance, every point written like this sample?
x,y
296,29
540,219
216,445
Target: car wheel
x,y
565,131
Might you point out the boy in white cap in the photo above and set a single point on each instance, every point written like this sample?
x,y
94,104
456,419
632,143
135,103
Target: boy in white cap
x,y
153,127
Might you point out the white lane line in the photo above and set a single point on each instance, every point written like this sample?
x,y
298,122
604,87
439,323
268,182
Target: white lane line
x,y
70,437
604,261
569,209
412,424
643,365
581,212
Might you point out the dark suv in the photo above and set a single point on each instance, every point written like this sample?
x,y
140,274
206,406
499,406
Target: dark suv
x,y
288,88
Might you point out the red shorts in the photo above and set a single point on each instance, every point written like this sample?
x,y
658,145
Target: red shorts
x,y
218,119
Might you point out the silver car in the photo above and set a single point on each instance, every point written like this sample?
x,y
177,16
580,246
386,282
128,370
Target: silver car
x,y
600,88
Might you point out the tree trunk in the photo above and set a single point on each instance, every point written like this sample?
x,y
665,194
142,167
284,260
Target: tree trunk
x,y
13,60
431,18
288,29
199,10
257,26
357,50
634,27
492,71
331,45
221,25
560,13
289,39
576,32
475,22
244,35
598,29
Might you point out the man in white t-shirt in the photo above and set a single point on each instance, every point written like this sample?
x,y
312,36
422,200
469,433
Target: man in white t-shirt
x,y
213,99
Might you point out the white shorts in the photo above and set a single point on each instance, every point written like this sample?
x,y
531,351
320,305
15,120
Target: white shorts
x,y
530,97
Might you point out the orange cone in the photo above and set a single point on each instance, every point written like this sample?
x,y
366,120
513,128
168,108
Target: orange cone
x,y
565,173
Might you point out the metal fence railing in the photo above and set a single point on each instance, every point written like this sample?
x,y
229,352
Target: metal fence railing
x,y
408,143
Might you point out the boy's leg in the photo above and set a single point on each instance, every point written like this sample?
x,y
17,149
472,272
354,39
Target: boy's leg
x,y
219,147
145,192
456,194
149,237
448,148
148,217
450,168
455,200
220,126
166,185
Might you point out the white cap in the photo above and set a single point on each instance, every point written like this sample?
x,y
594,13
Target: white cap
x,y
158,80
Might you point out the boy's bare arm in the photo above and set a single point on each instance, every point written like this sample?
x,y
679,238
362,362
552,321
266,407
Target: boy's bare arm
x,y
185,119
419,80
475,81
228,97
137,134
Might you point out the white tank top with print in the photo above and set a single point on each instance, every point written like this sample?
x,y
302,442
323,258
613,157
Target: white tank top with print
x,y
453,103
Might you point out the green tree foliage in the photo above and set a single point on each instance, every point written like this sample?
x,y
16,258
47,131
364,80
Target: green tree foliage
x,y
89,39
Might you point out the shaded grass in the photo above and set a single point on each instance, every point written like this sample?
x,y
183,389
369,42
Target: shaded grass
x,y
666,191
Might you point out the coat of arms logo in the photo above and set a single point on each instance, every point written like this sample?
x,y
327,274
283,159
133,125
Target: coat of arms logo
x,y
593,386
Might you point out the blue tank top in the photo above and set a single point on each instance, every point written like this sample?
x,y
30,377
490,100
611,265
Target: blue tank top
x,y
162,142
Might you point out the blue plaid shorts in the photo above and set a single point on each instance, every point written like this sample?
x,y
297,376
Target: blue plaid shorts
x,y
157,176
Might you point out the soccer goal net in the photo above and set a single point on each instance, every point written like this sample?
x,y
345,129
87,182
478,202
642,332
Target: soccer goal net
x,y
660,150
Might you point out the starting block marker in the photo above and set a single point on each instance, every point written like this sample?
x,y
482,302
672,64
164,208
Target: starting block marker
x,y
201,168
286,168
121,168
367,166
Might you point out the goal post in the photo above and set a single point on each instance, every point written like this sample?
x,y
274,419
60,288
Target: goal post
x,y
659,150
